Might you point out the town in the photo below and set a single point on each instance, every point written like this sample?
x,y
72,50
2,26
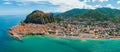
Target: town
x,y
71,28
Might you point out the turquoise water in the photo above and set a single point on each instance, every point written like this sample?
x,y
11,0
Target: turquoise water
x,y
49,44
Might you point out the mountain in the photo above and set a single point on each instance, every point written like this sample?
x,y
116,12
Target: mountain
x,y
39,17
96,14
71,13
99,14
108,11
56,13
116,19
93,14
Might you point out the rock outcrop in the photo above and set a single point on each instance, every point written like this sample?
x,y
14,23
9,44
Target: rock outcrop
x,y
39,17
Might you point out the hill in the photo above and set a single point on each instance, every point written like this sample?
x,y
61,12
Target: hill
x,y
109,12
39,17
93,14
71,13
96,14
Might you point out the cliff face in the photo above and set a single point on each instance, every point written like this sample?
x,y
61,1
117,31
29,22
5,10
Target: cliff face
x,y
39,17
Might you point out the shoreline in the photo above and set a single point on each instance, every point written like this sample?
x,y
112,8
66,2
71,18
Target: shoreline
x,y
86,38
62,37
18,31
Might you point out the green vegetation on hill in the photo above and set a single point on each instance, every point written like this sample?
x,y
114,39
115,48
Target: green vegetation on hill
x,y
101,14
93,14
39,17
72,13
109,12
116,19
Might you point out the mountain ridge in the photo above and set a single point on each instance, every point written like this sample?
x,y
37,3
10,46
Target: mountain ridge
x,y
97,14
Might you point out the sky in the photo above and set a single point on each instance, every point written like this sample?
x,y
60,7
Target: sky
x,y
19,7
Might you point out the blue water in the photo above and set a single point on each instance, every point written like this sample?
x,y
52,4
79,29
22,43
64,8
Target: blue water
x,y
49,44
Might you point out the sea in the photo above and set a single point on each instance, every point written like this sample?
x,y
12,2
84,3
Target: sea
x,y
49,44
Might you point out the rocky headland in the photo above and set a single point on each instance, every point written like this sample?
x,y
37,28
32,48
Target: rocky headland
x,y
86,27
35,23
39,17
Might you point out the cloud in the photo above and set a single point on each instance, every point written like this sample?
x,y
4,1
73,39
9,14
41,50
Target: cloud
x,y
26,0
7,3
110,5
63,5
69,4
97,6
118,2
86,0
99,0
